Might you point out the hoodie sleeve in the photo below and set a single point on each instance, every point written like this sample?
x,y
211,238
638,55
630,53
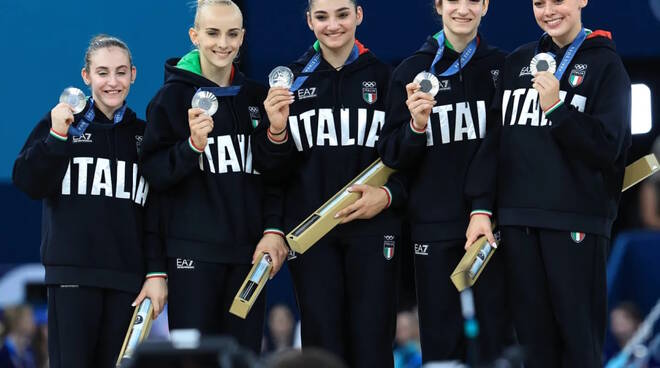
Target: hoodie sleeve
x,y
168,155
399,145
273,159
601,137
42,162
154,248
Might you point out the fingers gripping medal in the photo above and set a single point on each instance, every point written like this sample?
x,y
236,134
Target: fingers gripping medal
x,y
74,98
428,83
543,62
281,76
206,101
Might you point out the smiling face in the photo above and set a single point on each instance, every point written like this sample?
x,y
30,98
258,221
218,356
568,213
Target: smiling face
x,y
561,19
334,22
109,75
461,18
218,34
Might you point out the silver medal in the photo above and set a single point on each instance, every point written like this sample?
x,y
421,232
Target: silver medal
x,y
543,62
281,77
74,98
428,83
206,101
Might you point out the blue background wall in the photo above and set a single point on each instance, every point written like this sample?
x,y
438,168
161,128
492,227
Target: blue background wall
x,y
43,43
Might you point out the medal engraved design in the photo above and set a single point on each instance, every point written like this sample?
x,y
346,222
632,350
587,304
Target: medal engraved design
x,y
74,98
428,83
281,76
543,62
206,101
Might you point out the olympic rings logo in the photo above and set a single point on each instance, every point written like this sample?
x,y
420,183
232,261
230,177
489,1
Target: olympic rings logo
x,y
369,84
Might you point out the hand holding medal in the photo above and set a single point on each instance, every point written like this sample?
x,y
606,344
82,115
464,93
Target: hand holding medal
x,y
203,106
421,99
543,66
278,100
72,101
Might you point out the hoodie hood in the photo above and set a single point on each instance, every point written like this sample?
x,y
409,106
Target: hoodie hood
x,y
187,70
595,39
365,58
430,47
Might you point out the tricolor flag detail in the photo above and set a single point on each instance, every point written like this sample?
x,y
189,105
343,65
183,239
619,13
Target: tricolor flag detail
x,y
578,237
388,247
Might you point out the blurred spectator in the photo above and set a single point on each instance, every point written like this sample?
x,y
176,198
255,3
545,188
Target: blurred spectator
x,y
40,342
16,350
407,350
624,321
281,324
312,358
650,196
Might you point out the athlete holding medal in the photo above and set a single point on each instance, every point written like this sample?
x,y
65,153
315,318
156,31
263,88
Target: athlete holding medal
x,y
325,112
436,120
560,159
214,206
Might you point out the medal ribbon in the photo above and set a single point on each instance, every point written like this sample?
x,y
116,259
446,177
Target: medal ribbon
x,y
314,63
464,59
221,91
89,116
570,53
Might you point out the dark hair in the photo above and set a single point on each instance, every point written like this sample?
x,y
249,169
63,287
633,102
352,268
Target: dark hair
x,y
309,4
103,41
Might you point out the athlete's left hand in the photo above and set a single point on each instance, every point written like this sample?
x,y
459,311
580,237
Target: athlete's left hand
x,y
156,290
548,87
275,246
371,203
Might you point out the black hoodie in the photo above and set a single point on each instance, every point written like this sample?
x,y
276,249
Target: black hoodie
x,y
437,161
562,171
333,128
214,206
93,198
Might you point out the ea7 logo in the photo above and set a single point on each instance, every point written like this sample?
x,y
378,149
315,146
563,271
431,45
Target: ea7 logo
x,y
306,93
445,85
422,249
525,71
185,264
83,138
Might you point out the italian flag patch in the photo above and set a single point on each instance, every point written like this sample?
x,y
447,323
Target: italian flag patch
x,y
578,237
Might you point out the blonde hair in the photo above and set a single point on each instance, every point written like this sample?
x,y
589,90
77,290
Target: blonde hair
x,y
200,4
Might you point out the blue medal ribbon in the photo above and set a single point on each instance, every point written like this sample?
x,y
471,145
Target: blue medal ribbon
x,y
314,63
90,115
222,91
463,60
570,53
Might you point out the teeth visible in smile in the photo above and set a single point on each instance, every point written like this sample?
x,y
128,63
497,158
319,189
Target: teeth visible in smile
x,y
553,22
112,92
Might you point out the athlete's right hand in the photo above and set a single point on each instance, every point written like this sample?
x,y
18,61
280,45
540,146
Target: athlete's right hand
x,y
420,104
479,225
277,107
61,117
200,126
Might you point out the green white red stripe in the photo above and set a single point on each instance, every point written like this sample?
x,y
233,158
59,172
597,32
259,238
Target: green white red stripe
x,y
389,195
153,275
193,147
578,237
553,107
274,231
481,212
415,130
58,135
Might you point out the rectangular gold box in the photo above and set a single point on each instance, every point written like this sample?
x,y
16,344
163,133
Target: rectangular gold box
x,y
462,278
640,170
322,220
473,263
251,287
138,330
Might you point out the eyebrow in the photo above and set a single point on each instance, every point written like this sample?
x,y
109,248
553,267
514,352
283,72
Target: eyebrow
x,y
217,30
320,12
